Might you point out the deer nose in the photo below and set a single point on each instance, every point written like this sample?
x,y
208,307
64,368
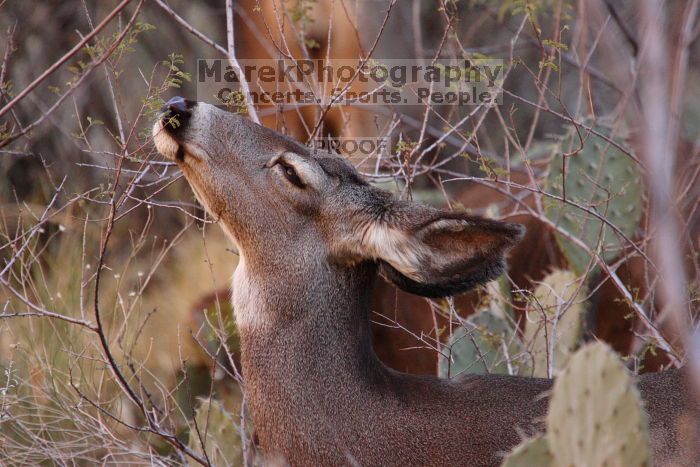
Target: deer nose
x,y
176,113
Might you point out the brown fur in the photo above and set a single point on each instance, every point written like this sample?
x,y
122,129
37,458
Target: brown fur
x,y
317,392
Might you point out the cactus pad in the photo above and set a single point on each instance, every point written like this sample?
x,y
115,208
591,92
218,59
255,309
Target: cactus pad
x,y
599,177
487,344
595,415
533,452
555,321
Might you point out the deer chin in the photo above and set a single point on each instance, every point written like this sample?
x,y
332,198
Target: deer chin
x,y
216,216
164,141
175,150
170,148
229,233
199,194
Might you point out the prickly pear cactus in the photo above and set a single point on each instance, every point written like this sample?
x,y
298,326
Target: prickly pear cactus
x,y
599,177
487,344
595,415
555,321
219,432
533,452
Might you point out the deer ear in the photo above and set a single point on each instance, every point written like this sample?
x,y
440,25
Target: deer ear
x,y
435,253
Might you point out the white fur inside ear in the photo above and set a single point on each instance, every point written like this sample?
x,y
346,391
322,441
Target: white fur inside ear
x,y
394,247
448,225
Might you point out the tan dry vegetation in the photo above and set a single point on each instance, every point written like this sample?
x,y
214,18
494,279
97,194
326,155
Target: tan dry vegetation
x,y
197,266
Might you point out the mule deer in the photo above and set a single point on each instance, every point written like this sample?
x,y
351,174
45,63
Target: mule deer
x,y
312,236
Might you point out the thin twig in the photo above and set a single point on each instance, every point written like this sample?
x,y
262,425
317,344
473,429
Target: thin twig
x,y
64,59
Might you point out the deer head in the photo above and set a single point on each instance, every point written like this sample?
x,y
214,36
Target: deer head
x,y
276,198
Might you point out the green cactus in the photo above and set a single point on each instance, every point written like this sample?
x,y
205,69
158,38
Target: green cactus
x,y
219,432
595,416
533,452
487,344
599,177
555,321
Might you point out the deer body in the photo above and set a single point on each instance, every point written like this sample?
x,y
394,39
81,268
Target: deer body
x,y
312,236
319,396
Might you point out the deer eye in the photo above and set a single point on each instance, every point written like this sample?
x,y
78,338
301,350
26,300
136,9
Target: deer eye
x,y
291,174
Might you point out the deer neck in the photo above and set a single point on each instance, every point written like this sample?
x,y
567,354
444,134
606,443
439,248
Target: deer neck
x,y
306,352
305,319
